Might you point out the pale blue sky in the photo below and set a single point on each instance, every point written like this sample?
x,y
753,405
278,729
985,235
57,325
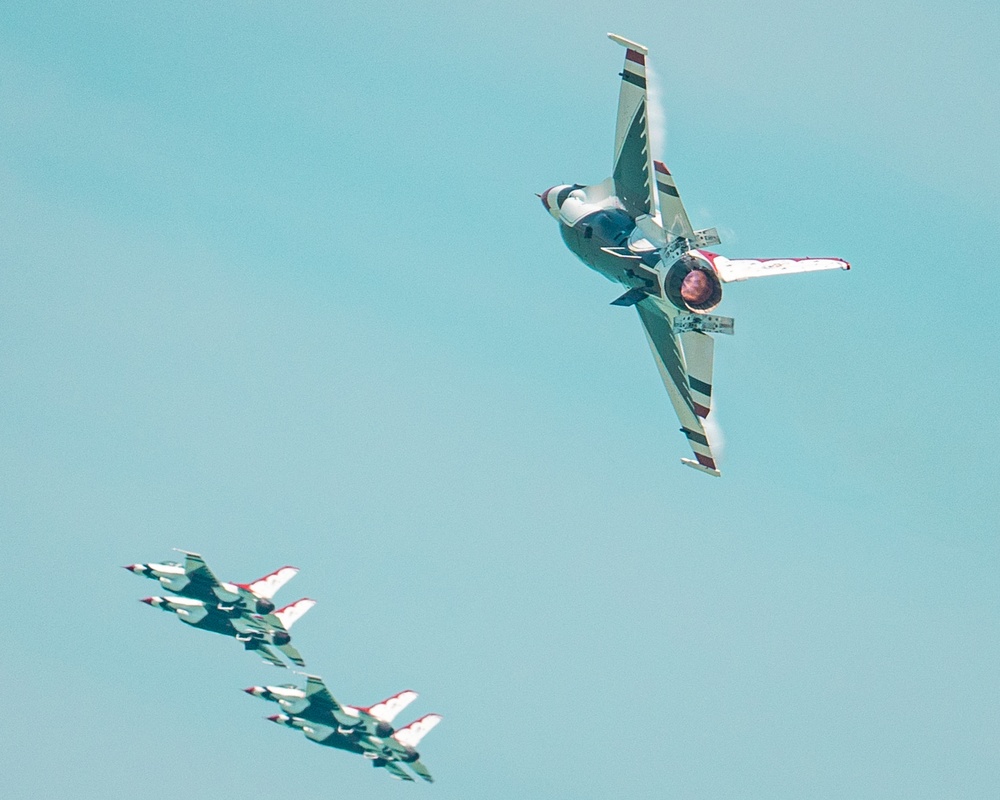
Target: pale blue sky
x,y
275,286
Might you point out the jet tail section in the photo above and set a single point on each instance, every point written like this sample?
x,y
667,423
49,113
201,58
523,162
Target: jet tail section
x,y
293,612
268,586
411,735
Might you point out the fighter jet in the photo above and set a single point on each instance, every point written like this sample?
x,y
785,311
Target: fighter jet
x,y
258,632
356,729
316,704
389,752
633,229
195,580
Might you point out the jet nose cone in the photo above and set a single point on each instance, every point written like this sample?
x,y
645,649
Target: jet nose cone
x,y
552,198
132,567
149,601
279,718
254,690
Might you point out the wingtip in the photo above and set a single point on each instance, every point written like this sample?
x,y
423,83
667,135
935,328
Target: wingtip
x,y
701,467
614,37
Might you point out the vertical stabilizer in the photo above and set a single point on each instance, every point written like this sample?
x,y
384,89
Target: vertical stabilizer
x,y
293,612
411,735
268,586
389,708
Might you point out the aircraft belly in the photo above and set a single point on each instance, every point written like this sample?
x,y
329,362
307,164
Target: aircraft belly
x,y
590,252
214,623
340,742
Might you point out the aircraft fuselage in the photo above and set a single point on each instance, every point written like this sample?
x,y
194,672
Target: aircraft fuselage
x,y
590,238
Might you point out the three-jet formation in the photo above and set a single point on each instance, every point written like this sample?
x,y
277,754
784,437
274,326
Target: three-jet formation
x,y
633,229
366,731
244,611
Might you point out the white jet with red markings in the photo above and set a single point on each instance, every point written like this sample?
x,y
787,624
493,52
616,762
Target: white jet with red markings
x,y
633,229
244,611
386,748
257,632
317,704
366,730
194,579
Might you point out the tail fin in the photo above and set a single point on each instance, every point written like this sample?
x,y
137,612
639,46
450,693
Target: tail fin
x,y
411,735
291,613
389,708
268,586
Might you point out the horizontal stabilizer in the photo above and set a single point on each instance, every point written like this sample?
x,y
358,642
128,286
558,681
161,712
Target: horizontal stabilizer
x,y
293,655
422,771
394,768
265,652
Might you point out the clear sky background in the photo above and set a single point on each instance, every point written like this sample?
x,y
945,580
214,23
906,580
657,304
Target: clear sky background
x,y
275,287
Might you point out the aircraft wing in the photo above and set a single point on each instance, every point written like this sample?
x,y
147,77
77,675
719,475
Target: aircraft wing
x,y
741,269
320,700
685,364
395,769
197,571
633,172
319,696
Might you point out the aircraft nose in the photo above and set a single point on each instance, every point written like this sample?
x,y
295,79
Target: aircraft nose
x,y
149,601
133,567
254,690
551,198
544,197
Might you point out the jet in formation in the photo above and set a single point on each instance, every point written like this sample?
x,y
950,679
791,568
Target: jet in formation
x,y
366,731
633,229
244,611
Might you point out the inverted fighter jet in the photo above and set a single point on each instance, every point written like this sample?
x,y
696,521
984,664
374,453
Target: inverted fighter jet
x,y
633,229
195,580
388,752
258,632
316,704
